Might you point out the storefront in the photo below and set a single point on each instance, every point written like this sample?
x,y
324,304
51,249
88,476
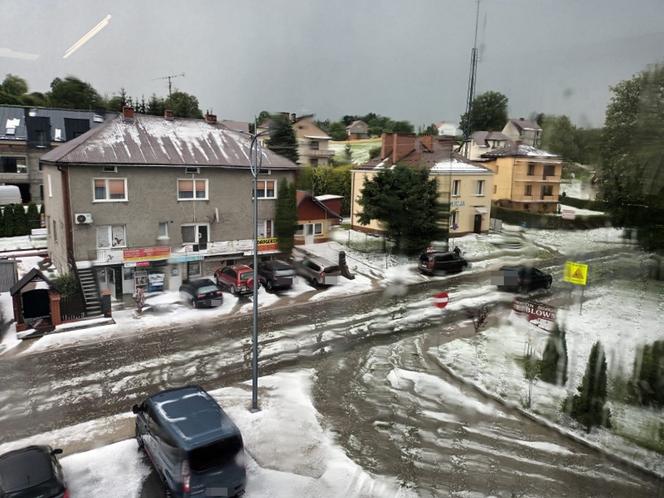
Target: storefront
x,y
145,267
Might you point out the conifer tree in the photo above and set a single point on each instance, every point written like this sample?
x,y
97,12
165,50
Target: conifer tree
x,y
285,222
8,220
21,225
34,220
554,358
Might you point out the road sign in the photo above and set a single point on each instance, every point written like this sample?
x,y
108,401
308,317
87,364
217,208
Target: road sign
x,y
576,273
568,214
441,299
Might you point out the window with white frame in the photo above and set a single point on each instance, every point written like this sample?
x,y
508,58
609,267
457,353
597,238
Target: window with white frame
x,y
195,233
265,228
189,190
266,189
456,188
110,189
318,228
479,189
163,230
111,236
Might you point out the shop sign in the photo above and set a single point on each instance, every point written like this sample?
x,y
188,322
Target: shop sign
x,y
458,203
137,264
146,254
266,244
184,258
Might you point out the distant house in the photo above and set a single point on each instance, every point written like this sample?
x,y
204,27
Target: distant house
x,y
357,130
482,142
465,186
446,129
526,178
312,142
315,216
526,131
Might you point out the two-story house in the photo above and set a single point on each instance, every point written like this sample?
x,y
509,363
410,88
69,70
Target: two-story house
x,y
482,142
526,178
313,144
26,133
526,131
464,186
152,201
357,130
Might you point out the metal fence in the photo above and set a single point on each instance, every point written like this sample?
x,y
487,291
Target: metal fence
x,y
72,307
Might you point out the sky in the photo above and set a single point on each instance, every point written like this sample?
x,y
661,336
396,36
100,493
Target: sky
x,y
407,59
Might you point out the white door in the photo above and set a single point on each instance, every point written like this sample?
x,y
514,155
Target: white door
x,y
309,233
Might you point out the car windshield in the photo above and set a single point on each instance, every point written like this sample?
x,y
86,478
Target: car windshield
x,y
215,455
284,273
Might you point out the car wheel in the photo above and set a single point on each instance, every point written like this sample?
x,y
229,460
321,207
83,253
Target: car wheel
x,y
139,439
268,285
233,290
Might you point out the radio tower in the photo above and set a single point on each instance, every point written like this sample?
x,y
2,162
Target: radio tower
x,y
472,77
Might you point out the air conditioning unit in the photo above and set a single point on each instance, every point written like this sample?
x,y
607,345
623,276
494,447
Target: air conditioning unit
x,y
83,218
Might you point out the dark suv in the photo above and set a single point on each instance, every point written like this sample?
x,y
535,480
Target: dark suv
x,y
521,279
193,445
275,274
444,262
32,471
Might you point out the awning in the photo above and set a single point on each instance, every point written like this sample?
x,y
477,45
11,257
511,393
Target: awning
x,y
481,210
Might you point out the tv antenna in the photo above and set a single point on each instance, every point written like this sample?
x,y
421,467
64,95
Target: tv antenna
x,y
170,77
472,78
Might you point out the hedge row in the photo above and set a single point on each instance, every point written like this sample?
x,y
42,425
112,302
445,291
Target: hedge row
x,y
535,220
583,203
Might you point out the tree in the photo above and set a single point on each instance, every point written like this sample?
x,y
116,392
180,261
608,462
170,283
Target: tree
x,y
337,131
554,359
432,130
14,85
282,137
647,384
34,219
348,152
587,407
263,116
560,137
35,99
9,221
2,224
156,106
488,112
285,223
183,105
21,225
71,92
405,201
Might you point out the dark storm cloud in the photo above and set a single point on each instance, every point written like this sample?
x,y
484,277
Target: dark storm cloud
x,y
404,58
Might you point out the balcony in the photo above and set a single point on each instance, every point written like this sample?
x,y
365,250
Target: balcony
x,y
537,179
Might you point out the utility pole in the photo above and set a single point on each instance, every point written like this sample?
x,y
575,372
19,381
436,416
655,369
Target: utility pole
x,y
472,79
170,82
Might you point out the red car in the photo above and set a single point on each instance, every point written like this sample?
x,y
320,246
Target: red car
x,y
237,279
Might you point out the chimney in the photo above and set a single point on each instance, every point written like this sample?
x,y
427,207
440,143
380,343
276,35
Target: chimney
x,y
427,142
210,118
402,145
168,115
386,145
127,113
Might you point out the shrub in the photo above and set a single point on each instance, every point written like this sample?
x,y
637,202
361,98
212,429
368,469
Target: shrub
x,y
647,384
66,285
554,359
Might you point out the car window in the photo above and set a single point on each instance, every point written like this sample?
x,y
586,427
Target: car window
x,y
215,455
246,275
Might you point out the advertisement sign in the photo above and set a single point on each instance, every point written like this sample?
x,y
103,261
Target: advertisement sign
x,y
185,258
266,244
146,254
576,273
538,314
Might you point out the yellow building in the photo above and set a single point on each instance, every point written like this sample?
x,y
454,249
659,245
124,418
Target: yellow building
x,y
464,185
526,178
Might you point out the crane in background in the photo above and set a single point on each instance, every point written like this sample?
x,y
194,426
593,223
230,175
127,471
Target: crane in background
x,y
170,77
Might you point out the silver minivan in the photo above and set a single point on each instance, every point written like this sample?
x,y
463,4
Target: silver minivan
x,y
318,271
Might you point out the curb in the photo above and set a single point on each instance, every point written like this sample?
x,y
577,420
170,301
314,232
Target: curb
x,y
549,424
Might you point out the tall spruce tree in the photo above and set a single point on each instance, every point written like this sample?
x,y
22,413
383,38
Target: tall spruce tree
x,y
2,223
34,220
554,359
282,137
285,222
647,384
587,407
9,221
21,226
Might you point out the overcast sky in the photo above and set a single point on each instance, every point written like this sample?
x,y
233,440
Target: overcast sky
x,y
407,59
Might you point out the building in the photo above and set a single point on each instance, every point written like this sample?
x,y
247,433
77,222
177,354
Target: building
x,y
465,186
357,130
482,142
446,129
313,144
526,178
527,131
26,133
151,201
315,216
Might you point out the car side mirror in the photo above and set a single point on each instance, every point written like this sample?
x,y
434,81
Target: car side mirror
x,y
56,451
136,409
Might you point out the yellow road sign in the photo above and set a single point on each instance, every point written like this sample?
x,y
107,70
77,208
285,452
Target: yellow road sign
x,y
576,273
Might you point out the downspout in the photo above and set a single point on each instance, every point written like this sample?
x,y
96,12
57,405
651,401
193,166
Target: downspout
x,y
69,235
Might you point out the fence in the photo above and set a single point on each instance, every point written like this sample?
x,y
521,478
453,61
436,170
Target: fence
x,y
72,307
535,220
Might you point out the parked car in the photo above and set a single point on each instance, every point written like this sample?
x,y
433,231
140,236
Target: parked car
x,y
275,274
318,271
237,279
202,293
444,262
521,279
193,445
32,471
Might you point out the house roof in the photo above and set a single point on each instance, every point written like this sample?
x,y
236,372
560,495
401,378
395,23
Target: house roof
x,y
152,140
305,127
303,195
357,123
457,165
15,117
525,124
519,150
328,197
32,275
480,137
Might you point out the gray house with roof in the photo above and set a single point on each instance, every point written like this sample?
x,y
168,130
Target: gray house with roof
x,y
152,201
26,133
526,131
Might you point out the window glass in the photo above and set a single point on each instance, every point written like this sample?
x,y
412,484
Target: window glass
x,y
189,234
318,228
215,455
100,189
163,230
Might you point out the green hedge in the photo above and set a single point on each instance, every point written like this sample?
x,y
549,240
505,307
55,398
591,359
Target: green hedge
x,y
535,220
583,203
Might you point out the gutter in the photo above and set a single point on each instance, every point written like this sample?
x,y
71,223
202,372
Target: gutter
x,y
69,235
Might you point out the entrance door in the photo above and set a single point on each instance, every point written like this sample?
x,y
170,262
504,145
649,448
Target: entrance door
x,y
309,233
478,223
107,280
202,237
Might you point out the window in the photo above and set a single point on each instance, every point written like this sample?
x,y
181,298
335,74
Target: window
x,y
529,190
265,228
266,189
456,188
13,164
318,228
547,190
313,161
300,230
314,145
531,169
111,236
41,191
187,188
192,171
110,189
163,230
479,190
549,170
195,233
55,231
50,186
110,169
194,268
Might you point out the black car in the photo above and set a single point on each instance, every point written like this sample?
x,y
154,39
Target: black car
x,y
192,443
521,279
276,274
32,471
444,262
202,293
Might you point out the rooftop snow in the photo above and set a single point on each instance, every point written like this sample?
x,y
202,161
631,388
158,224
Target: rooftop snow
x,y
520,150
456,166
